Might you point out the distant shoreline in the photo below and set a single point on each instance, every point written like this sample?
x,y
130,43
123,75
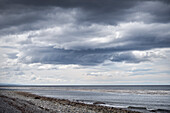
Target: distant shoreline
x,y
15,101
15,85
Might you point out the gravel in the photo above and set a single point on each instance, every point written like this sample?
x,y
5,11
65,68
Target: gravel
x,y
23,102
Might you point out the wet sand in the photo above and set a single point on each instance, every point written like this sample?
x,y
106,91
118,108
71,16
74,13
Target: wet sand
x,y
23,102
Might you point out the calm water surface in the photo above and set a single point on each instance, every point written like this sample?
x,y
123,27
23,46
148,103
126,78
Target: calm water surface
x,y
138,97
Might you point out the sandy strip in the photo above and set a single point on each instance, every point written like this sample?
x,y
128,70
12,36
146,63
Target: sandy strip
x,y
23,102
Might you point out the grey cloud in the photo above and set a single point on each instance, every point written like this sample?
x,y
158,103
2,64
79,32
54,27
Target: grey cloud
x,y
127,57
19,16
150,72
95,4
24,15
3,73
79,23
49,55
19,19
33,78
19,73
149,11
79,50
140,70
12,55
135,36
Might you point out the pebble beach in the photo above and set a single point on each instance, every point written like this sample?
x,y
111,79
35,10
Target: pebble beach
x,y
23,102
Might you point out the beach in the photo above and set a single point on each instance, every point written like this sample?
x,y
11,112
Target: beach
x,y
84,56
24,102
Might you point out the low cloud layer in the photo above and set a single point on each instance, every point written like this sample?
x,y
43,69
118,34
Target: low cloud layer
x,y
89,45
82,33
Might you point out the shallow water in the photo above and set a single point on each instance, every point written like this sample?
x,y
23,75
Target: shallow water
x,y
140,98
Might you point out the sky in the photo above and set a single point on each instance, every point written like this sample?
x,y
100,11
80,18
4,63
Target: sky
x,y
85,42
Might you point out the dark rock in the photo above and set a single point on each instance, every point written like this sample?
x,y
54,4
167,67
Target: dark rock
x,y
135,107
95,103
37,98
163,110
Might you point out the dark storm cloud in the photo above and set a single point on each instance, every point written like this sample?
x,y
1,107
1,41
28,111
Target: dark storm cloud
x,y
17,18
49,55
85,30
110,5
18,15
25,13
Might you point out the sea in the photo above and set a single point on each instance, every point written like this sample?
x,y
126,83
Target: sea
x,y
143,98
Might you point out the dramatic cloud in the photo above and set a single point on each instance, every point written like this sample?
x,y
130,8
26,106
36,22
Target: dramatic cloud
x,y
99,43
82,35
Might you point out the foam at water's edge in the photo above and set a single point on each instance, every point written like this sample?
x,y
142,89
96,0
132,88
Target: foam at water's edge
x,y
137,108
151,92
151,110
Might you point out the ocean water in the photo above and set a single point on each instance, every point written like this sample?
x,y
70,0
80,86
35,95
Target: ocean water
x,y
139,98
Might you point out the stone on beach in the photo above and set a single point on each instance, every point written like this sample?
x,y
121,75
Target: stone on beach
x,y
23,102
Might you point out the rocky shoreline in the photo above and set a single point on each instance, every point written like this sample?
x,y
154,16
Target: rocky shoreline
x,y
23,102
